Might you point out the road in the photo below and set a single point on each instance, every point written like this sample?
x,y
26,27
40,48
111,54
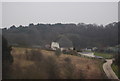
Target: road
x,y
108,70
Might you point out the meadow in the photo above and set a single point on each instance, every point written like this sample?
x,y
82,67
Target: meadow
x,y
104,55
115,69
34,63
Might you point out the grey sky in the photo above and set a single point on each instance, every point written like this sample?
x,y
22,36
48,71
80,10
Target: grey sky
x,y
23,13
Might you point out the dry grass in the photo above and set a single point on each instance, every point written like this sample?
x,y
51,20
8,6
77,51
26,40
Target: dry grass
x,y
46,65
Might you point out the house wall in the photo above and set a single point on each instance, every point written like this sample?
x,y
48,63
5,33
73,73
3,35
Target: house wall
x,y
55,45
71,48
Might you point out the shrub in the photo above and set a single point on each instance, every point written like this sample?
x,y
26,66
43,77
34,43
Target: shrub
x,y
72,52
58,52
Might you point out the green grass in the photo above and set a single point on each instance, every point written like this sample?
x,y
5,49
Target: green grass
x,y
104,55
115,69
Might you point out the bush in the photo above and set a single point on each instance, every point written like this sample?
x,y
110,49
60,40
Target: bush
x,y
72,52
58,52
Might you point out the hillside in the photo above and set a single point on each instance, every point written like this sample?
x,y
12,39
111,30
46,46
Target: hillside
x,y
43,64
82,35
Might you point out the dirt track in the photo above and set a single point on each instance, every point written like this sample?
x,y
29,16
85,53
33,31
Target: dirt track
x,y
108,70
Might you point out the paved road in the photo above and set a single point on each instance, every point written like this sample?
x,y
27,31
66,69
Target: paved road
x,y
108,70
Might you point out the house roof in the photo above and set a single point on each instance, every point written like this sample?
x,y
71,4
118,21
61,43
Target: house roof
x,y
65,42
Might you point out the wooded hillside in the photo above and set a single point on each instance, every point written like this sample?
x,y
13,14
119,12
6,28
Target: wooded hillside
x,y
82,35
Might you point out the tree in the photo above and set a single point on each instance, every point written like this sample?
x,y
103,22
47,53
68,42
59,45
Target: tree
x,y
7,58
58,52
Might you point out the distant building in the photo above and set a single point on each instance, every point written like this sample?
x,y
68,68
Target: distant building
x,y
66,48
65,44
55,45
94,48
87,49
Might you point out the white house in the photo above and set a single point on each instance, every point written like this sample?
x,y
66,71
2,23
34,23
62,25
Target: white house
x,y
87,49
66,48
55,45
88,54
62,43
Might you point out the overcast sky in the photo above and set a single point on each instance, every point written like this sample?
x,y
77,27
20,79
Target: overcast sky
x,y
23,13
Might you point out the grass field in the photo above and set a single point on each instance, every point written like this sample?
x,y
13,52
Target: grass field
x,y
115,69
104,55
36,63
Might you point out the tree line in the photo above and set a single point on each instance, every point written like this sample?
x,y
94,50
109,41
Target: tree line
x,y
82,35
